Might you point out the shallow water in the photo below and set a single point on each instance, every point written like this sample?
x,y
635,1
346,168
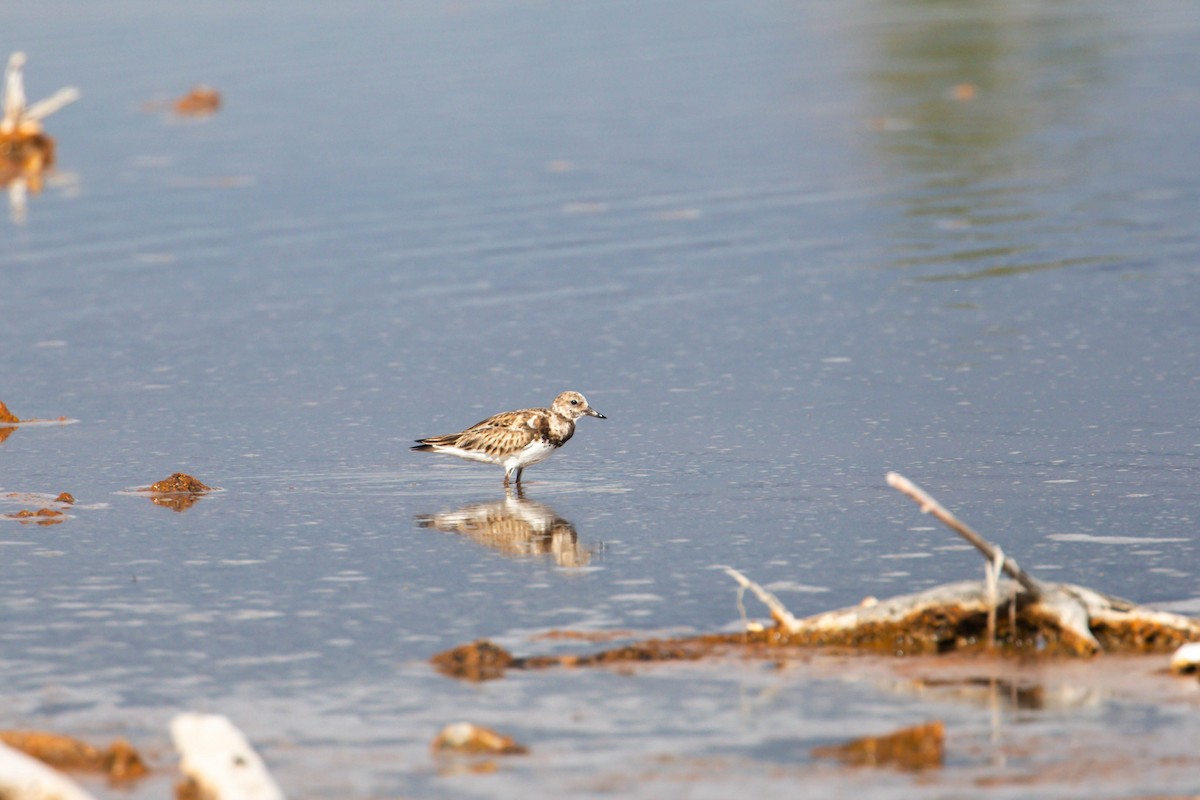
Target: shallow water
x,y
785,249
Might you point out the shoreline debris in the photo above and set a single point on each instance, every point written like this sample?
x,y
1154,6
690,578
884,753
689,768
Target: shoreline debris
x,y
218,762
120,761
23,777
1017,615
1020,615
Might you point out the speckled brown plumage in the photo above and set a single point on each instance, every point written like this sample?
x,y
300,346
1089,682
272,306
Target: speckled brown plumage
x,y
515,439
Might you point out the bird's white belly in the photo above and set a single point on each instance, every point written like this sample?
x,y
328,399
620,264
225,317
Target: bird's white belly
x,y
532,453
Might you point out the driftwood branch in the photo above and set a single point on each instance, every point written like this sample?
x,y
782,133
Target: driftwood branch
x,y
990,551
219,760
23,777
1041,614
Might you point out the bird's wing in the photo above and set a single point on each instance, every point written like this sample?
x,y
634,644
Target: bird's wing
x,y
496,440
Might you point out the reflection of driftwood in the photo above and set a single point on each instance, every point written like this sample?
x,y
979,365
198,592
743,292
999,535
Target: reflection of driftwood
x,y
515,526
1034,615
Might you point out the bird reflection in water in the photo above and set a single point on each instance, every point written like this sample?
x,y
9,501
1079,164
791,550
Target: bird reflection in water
x,y
515,526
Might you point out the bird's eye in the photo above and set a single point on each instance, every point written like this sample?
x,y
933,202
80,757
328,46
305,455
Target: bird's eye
x,y
574,402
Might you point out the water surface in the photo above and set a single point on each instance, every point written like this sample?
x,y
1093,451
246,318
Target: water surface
x,y
783,248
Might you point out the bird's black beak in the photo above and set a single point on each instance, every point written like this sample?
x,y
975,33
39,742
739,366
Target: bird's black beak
x,y
594,413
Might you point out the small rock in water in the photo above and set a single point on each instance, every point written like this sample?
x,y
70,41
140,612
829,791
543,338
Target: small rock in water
x,y
1186,660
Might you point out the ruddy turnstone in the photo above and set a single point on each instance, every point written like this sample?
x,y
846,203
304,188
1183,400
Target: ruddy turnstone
x,y
516,439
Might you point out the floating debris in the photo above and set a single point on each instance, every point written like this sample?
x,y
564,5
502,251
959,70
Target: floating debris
x,y
218,762
466,737
120,761
6,416
916,748
66,498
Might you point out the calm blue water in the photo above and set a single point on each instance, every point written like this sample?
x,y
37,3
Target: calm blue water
x,y
784,248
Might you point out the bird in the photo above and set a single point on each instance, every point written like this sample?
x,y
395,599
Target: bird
x,y
515,439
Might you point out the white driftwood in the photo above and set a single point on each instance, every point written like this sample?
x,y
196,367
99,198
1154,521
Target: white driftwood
x,y
217,756
1071,610
23,777
779,611
44,108
17,117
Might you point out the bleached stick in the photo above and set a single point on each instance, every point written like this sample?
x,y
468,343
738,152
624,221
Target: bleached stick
x,y
44,108
990,551
23,777
217,756
779,611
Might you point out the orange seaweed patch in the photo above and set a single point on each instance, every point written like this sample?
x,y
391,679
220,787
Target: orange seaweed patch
x,y
120,761
66,498
179,482
929,631
43,516
916,748
25,154
7,418
178,492
479,661
200,101
483,660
